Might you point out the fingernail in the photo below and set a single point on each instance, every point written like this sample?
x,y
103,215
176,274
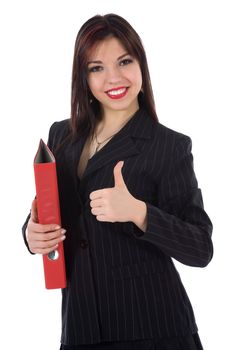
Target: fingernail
x,y
62,238
63,231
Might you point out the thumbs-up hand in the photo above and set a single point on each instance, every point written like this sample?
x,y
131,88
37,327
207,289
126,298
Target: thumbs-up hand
x,y
116,203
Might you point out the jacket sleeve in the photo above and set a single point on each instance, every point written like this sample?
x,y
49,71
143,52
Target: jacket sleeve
x,y
24,228
178,225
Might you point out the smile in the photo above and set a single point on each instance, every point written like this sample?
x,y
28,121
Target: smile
x,y
117,93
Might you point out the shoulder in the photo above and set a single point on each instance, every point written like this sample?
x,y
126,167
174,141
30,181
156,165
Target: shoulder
x,y
60,127
170,138
162,138
164,131
58,131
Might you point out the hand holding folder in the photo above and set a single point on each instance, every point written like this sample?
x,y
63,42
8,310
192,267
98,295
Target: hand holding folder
x,y
48,209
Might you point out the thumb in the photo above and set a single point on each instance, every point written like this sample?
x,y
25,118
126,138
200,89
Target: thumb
x,y
34,214
118,178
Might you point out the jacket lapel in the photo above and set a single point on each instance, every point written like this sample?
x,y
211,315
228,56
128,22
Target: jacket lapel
x,y
123,144
72,155
120,147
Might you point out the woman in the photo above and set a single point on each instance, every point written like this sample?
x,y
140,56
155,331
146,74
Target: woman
x,y
129,203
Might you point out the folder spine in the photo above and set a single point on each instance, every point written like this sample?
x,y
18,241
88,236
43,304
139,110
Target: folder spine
x,y
48,208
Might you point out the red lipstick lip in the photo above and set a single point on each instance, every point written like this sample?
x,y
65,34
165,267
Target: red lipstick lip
x,y
117,88
116,97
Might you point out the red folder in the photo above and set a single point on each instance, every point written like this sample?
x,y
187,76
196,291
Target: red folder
x,y
49,213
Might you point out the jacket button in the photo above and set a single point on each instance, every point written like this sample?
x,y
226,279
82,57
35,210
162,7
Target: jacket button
x,y
83,243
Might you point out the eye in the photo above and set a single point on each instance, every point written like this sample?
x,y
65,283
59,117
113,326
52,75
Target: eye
x,y
95,69
126,61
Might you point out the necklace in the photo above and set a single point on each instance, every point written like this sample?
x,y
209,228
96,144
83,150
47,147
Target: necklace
x,y
100,143
108,138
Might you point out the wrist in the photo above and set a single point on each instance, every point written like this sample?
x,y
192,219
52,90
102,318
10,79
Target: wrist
x,y
140,215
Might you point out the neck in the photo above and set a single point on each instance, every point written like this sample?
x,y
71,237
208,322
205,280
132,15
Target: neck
x,y
112,120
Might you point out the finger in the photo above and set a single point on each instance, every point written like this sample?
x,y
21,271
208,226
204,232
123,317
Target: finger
x,y
48,236
44,250
118,178
97,194
102,218
97,211
46,244
34,213
97,203
39,228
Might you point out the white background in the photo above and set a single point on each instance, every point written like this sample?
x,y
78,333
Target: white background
x,y
189,49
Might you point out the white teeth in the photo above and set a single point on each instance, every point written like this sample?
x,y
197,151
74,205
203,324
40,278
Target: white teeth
x,y
117,92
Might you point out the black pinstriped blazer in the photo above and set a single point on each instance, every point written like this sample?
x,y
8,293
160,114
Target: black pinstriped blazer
x,y
122,283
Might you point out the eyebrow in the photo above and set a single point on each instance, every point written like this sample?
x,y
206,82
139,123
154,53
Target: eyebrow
x,y
100,62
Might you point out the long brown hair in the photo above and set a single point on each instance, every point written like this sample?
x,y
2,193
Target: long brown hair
x,y
85,109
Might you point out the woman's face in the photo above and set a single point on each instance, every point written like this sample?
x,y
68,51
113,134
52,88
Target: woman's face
x,y
114,76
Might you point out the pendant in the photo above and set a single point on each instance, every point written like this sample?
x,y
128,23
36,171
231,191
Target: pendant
x,y
96,149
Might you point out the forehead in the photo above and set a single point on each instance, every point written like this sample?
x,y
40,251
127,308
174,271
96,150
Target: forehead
x,y
110,47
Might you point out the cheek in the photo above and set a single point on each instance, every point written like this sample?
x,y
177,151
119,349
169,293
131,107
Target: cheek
x,y
139,77
94,85
136,77
137,80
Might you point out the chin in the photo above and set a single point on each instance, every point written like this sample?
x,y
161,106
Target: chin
x,y
121,106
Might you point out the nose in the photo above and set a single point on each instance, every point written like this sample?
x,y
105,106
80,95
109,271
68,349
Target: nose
x,y
113,75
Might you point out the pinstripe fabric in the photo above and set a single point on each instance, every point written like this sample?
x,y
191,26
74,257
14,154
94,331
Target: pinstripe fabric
x,y
122,284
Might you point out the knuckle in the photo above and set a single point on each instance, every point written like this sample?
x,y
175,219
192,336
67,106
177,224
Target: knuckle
x,y
50,236
46,251
48,245
41,228
30,225
53,247
54,242
45,244
29,236
47,228
105,191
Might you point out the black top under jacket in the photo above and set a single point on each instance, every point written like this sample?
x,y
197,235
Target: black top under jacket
x,y
122,283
